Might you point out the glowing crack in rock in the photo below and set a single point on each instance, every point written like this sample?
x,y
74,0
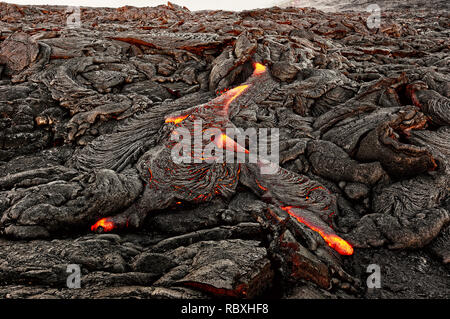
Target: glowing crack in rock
x,y
333,240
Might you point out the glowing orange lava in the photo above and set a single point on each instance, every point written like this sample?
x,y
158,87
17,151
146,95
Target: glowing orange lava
x,y
260,186
259,69
334,241
105,223
234,93
225,142
176,119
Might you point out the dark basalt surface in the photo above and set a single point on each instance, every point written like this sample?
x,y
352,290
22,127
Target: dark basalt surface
x,y
364,152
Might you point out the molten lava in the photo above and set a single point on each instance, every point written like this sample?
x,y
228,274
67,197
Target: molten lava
x,y
176,120
105,223
232,94
225,142
259,69
333,240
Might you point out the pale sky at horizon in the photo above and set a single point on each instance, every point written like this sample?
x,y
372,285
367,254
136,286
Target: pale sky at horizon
x,y
235,5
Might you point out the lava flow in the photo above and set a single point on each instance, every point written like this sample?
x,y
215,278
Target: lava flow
x,y
225,142
177,119
106,225
232,94
259,69
333,240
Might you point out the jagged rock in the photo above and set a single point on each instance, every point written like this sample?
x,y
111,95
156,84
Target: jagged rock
x,y
440,246
233,268
330,161
356,190
18,51
157,264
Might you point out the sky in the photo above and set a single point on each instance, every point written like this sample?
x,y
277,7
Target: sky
x,y
234,5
